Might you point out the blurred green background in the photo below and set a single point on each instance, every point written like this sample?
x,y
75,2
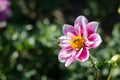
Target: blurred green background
x,y
29,41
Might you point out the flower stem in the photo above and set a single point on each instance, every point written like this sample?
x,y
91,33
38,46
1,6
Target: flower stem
x,y
94,68
110,74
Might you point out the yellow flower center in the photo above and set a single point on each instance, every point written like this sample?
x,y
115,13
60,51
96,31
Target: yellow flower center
x,y
77,42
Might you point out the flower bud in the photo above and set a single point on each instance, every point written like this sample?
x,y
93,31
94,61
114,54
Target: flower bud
x,y
114,60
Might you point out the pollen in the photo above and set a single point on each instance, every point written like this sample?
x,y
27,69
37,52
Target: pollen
x,y
77,42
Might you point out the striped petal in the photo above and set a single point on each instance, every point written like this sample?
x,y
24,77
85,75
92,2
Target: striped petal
x,y
64,55
80,25
83,55
68,29
92,27
94,40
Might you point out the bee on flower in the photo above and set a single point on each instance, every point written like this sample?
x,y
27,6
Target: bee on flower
x,y
77,40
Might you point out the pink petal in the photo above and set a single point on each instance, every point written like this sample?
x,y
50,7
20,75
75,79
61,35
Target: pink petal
x,y
78,29
92,27
69,61
63,45
62,59
68,28
64,55
70,35
63,41
94,40
82,22
83,55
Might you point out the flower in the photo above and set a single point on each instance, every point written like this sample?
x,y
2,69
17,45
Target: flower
x,y
4,4
4,10
77,40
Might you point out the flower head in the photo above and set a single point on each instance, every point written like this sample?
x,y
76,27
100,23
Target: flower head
x,y
77,40
4,10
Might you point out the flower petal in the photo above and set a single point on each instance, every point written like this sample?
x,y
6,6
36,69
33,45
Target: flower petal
x,y
81,22
78,29
68,28
63,41
64,55
69,61
93,41
83,55
92,27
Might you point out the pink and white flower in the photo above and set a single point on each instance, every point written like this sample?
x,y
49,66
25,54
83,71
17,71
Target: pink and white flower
x,y
4,10
77,40
4,4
